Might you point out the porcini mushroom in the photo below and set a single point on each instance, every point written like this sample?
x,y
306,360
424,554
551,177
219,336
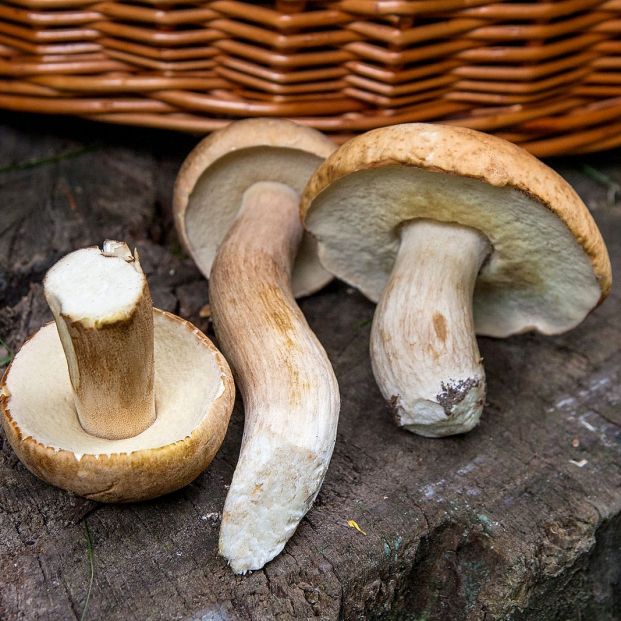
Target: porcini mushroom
x,y
452,231
115,401
237,209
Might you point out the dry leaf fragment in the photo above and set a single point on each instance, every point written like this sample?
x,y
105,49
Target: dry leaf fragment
x,y
354,524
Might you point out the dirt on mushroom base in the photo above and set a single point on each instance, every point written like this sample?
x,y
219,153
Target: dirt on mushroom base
x,y
454,392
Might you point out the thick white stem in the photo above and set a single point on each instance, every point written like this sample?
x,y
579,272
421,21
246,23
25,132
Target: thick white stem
x,y
104,315
289,389
423,345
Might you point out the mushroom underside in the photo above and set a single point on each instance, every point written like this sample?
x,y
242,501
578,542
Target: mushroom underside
x,y
214,202
193,402
537,276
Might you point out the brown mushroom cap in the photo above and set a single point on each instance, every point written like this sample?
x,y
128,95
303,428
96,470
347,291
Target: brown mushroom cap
x,y
549,266
213,178
194,398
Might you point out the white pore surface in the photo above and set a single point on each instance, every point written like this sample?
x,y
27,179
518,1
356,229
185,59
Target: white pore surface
x,y
187,381
92,288
537,278
217,197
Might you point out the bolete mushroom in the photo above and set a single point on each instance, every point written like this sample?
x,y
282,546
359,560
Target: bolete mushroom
x,y
237,209
452,231
115,401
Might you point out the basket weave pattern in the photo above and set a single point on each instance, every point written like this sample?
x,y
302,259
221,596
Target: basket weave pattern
x,y
546,75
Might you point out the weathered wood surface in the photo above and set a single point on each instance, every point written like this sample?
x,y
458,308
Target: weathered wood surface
x,y
503,523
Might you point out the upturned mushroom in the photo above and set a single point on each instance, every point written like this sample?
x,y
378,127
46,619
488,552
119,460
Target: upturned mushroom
x,y
451,231
237,210
115,401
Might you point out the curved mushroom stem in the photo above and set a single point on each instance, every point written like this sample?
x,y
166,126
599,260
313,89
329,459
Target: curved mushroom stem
x,y
423,345
104,315
288,386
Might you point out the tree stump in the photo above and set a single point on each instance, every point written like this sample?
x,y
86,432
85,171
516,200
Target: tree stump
x,y
520,519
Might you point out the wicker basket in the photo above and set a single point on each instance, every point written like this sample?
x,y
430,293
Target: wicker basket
x,y
546,75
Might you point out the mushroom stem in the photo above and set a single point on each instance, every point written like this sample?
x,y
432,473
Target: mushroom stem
x,y
103,312
288,386
423,345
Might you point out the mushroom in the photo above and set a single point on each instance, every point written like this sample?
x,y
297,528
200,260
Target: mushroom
x,y
237,210
115,401
451,231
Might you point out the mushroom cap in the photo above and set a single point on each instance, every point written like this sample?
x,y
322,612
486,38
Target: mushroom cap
x,y
548,267
194,398
212,180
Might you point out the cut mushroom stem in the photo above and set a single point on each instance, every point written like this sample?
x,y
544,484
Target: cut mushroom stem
x,y
423,345
103,311
289,389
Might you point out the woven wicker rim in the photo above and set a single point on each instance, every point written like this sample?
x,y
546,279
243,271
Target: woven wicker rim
x,y
545,75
